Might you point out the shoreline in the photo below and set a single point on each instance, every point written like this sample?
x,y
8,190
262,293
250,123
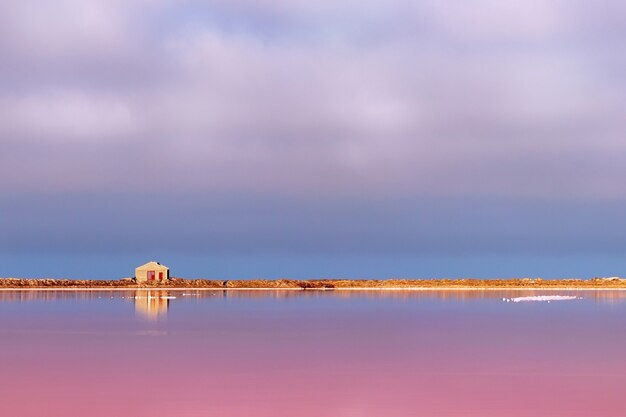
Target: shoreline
x,y
181,284
345,289
315,289
391,289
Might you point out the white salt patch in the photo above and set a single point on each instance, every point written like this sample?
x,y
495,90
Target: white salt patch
x,y
547,298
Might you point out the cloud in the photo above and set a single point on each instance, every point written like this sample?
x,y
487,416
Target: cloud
x,y
65,116
338,102
252,225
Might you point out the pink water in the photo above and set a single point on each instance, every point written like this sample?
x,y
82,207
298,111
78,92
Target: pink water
x,y
86,353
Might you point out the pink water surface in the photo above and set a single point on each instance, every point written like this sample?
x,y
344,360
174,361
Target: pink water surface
x,y
433,353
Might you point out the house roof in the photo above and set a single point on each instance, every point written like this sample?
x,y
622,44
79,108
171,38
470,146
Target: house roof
x,y
152,265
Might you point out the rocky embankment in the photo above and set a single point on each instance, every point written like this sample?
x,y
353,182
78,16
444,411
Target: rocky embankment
x,y
613,282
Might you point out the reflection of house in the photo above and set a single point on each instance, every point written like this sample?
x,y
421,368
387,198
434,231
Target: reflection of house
x,y
152,272
152,304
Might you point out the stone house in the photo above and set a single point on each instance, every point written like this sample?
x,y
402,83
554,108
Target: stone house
x,y
152,272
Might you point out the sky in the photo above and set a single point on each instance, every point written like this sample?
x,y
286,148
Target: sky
x,y
290,138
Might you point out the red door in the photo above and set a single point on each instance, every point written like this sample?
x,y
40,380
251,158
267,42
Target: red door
x,y
160,276
150,275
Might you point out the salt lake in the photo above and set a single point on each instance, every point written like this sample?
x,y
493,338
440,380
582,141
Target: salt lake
x,y
233,353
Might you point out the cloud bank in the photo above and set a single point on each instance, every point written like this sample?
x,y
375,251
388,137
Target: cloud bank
x,y
302,126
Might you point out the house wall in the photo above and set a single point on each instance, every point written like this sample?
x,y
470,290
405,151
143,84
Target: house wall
x,y
141,275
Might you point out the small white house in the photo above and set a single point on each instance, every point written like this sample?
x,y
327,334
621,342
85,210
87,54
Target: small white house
x,y
152,272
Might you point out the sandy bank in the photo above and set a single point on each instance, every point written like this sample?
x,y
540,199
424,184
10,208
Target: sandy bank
x,y
320,284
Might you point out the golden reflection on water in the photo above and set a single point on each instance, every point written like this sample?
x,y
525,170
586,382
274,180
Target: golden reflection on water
x,y
152,304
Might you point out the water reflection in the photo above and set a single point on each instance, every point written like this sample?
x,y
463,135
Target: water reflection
x,y
308,353
152,304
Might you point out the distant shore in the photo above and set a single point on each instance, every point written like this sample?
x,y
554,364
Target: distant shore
x,y
319,284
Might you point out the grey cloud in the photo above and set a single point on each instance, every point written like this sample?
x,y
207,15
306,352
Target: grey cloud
x,y
222,223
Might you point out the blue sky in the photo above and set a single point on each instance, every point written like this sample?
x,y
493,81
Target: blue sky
x,y
291,138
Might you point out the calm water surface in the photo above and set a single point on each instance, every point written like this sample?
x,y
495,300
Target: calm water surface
x,y
300,353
